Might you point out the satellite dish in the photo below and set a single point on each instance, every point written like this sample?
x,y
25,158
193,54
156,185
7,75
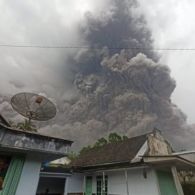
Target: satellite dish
x,y
33,106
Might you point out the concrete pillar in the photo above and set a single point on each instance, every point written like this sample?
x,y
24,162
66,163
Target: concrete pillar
x,y
126,180
30,177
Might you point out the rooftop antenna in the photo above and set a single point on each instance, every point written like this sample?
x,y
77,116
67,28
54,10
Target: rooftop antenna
x,y
33,106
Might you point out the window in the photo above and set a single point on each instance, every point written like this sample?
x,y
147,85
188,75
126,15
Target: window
x,y
102,185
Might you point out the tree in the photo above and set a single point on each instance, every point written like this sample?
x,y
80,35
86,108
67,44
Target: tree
x,y
124,137
86,148
72,155
114,137
100,142
26,126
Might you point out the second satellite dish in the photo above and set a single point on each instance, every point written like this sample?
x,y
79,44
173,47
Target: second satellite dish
x,y
33,106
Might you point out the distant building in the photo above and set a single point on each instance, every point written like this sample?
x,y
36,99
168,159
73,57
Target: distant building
x,y
21,156
142,165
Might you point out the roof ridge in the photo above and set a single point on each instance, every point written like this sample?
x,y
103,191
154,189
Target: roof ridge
x,y
144,134
124,150
117,142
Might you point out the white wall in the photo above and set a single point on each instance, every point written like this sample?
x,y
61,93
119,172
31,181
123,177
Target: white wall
x,y
116,183
74,183
138,185
29,177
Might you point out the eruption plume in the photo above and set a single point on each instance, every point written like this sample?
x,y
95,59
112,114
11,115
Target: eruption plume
x,y
120,90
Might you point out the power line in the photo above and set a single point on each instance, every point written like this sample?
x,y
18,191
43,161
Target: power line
x,y
47,46
94,48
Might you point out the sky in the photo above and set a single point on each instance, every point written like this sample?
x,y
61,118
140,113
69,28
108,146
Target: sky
x,y
56,23
172,24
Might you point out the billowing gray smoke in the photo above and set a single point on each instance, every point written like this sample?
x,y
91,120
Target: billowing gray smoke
x,y
120,90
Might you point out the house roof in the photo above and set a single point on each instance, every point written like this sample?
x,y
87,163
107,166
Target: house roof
x,y
111,153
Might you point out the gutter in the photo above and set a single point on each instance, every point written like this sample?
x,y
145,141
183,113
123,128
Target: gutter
x,y
108,166
124,169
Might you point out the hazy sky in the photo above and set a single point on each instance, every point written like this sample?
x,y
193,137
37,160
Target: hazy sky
x,y
172,24
56,23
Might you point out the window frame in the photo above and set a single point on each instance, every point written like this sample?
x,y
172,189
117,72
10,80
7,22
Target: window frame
x,y
101,185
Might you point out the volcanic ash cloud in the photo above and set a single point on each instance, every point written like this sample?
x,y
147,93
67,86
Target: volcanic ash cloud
x,y
129,96
120,90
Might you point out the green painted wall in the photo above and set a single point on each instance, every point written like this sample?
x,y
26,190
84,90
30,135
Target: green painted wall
x,y
13,176
166,183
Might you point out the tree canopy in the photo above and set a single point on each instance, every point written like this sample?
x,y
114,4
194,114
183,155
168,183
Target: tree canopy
x,y
112,138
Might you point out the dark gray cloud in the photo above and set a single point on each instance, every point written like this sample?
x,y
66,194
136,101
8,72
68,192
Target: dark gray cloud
x,y
124,91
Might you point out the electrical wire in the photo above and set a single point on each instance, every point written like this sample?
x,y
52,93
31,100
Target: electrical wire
x,y
94,48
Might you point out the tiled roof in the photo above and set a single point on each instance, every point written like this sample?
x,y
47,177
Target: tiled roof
x,y
120,152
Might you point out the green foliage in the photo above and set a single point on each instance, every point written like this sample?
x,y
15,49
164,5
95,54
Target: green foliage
x,y
112,138
86,148
26,126
100,142
72,155
125,137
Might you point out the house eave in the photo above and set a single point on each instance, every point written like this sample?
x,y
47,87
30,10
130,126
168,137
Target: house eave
x,y
167,161
107,166
15,140
54,174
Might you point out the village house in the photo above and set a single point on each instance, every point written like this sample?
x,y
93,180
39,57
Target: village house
x,y
142,165
21,156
